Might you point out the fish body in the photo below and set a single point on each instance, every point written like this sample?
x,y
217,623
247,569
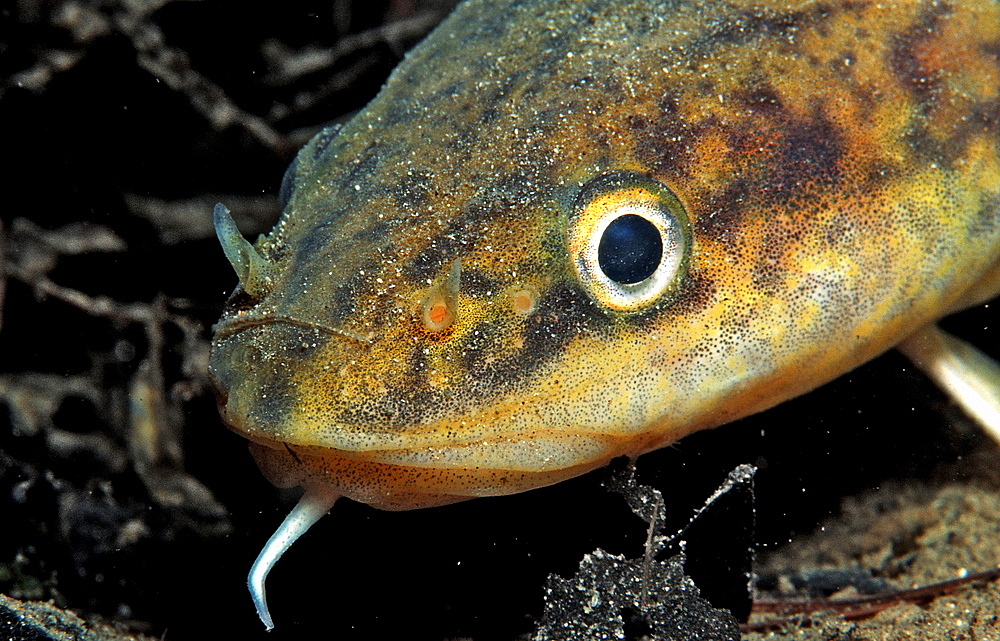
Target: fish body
x,y
823,179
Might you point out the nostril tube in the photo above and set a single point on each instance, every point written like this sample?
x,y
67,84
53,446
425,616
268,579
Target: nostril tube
x,y
255,272
439,308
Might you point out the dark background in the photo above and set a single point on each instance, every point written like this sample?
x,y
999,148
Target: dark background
x,y
134,120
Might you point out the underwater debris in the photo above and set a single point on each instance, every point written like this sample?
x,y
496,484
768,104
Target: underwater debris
x,y
39,621
611,597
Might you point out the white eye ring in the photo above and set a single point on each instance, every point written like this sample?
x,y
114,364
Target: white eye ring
x,y
621,269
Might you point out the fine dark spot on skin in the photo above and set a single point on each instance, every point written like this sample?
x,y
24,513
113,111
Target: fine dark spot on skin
x,y
463,140
745,28
669,102
809,151
342,302
667,147
481,347
416,373
280,398
320,247
637,123
768,273
488,116
877,173
449,91
695,293
315,242
400,116
545,122
983,117
922,85
478,285
500,94
610,85
841,228
903,59
706,86
991,49
724,212
987,218
562,313
413,190
760,97
375,232
273,385
840,67
399,406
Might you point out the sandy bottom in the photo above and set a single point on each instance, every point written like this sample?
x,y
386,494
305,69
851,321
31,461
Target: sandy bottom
x,y
905,537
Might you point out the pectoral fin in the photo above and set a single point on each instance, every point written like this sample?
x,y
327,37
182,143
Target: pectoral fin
x,y
968,376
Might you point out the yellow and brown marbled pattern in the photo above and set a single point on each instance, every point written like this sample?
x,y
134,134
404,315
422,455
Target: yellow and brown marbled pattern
x,y
838,161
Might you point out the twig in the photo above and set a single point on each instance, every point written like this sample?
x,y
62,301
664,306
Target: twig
x,y
287,67
860,608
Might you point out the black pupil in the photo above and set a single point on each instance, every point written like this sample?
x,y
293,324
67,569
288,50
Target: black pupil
x,y
630,249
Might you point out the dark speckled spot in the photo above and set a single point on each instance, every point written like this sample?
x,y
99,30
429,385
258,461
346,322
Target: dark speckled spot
x,y
769,274
478,284
278,397
449,91
412,191
343,300
506,194
377,231
987,218
488,116
669,102
808,153
840,65
760,97
667,147
903,57
400,116
363,167
922,84
694,295
724,212
316,241
561,314
745,28
638,123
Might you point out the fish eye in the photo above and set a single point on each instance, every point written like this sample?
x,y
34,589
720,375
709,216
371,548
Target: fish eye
x,y
629,240
288,183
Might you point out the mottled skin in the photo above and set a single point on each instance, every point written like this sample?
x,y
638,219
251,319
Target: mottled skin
x,y
838,162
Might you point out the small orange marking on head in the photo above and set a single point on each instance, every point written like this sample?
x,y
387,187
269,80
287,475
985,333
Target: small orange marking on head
x,y
524,301
437,313
439,308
